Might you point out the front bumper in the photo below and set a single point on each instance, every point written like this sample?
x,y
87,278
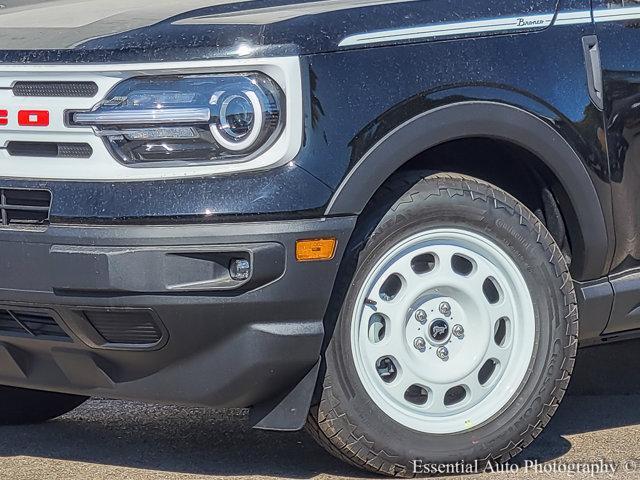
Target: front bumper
x,y
203,338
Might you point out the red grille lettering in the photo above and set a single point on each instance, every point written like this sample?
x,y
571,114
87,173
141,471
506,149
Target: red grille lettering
x,y
33,118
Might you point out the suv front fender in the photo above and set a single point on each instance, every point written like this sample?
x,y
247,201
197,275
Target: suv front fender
x,y
489,120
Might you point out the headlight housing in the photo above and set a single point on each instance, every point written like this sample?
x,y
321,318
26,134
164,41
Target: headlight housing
x,y
192,119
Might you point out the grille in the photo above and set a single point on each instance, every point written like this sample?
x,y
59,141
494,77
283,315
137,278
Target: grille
x,y
49,149
24,208
30,324
125,328
55,89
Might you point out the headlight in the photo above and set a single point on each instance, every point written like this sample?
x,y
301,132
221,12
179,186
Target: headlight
x,y
196,119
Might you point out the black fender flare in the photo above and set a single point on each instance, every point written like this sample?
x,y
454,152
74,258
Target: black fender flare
x,y
490,120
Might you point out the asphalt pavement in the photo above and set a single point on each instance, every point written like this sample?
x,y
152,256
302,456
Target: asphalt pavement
x,y
596,430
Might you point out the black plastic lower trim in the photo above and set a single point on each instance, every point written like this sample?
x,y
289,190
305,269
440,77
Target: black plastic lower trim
x,y
595,301
247,345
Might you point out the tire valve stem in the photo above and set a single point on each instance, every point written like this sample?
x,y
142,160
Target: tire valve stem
x,y
370,303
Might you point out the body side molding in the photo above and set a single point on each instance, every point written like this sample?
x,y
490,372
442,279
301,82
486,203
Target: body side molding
x,y
487,120
487,26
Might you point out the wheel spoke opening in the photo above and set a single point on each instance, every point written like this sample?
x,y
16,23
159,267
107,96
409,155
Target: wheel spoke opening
x,y
387,369
424,263
501,332
455,396
417,395
492,291
391,287
488,371
462,265
377,328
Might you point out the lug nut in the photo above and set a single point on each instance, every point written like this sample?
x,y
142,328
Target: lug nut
x,y
421,316
443,353
458,331
445,309
419,343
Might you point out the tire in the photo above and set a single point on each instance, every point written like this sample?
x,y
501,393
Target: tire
x,y
359,415
21,406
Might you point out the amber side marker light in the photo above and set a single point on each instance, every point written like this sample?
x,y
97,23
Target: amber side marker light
x,y
315,250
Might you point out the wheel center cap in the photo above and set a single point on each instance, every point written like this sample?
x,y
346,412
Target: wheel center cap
x,y
439,331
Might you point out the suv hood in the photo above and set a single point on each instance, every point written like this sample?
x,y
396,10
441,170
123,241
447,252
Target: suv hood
x,y
161,30
96,31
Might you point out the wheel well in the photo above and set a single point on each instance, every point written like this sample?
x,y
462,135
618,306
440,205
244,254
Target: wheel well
x,y
508,166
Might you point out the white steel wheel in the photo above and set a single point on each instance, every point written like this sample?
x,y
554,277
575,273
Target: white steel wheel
x,y
443,331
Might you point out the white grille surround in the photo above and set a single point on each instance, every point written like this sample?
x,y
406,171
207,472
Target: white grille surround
x,y
102,166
